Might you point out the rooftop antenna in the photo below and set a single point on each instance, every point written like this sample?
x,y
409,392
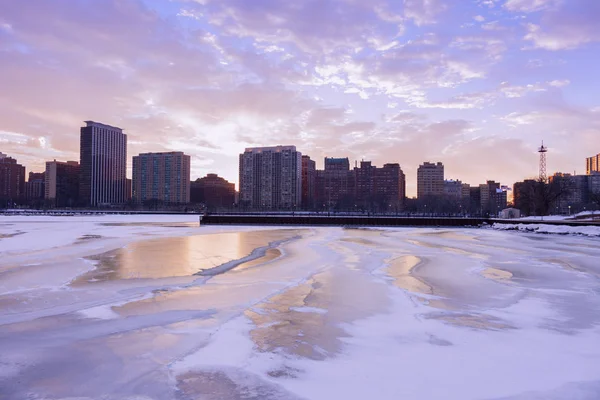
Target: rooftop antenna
x,y
543,150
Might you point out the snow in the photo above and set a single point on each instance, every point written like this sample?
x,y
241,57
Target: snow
x,y
592,231
341,313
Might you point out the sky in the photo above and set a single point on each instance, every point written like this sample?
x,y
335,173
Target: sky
x,y
475,84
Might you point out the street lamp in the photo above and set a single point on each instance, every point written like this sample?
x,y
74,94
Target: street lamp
x,y
569,210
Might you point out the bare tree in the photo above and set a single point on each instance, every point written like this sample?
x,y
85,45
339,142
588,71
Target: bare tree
x,y
536,197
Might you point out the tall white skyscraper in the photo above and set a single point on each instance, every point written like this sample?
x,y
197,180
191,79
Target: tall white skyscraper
x,y
103,161
271,178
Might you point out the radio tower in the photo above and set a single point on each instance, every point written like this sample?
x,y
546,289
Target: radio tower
x,y
543,150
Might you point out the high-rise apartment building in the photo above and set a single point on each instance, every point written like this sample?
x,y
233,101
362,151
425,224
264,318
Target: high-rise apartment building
x,y
61,183
271,178
103,161
161,177
35,187
309,172
592,165
12,181
379,189
335,184
389,187
430,179
212,191
363,187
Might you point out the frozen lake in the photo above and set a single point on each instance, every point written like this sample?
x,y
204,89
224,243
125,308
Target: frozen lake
x,y
155,307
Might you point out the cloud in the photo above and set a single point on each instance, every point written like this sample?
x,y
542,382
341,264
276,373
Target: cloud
x,y
528,6
567,26
395,81
423,12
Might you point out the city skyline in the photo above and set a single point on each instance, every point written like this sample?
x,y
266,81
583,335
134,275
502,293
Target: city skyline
x,y
402,82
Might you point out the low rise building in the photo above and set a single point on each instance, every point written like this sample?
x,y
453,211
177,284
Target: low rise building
x,y
213,191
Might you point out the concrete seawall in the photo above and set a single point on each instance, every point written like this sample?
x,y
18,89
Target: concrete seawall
x,y
353,220
213,219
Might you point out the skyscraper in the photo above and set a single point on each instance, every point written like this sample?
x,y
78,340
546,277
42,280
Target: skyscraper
x,y
61,186
161,177
103,160
12,181
271,178
430,179
592,165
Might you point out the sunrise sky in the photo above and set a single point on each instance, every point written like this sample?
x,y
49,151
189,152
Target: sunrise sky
x,y
476,84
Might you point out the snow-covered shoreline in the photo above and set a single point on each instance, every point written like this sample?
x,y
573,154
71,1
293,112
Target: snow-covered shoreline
x,y
590,231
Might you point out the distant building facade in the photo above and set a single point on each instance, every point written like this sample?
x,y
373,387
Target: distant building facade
x,y
453,188
12,181
389,187
493,197
309,177
430,179
103,161
270,178
213,191
379,189
335,184
465,190
592,164
61,183
161,178
35,187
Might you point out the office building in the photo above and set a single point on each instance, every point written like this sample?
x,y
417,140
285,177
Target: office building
x,y
309,172
12,181
430,179
161,178
103,162
61,183
270,178
213,191
592,165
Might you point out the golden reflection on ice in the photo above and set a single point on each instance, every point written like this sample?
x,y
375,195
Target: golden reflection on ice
x,y
181,256
401,270
497,274
306,320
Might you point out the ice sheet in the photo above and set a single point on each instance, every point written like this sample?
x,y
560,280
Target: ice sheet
x,y
332,313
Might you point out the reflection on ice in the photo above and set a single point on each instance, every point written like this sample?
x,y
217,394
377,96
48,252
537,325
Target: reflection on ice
x,y
306,320
497,274
401,269
179,256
